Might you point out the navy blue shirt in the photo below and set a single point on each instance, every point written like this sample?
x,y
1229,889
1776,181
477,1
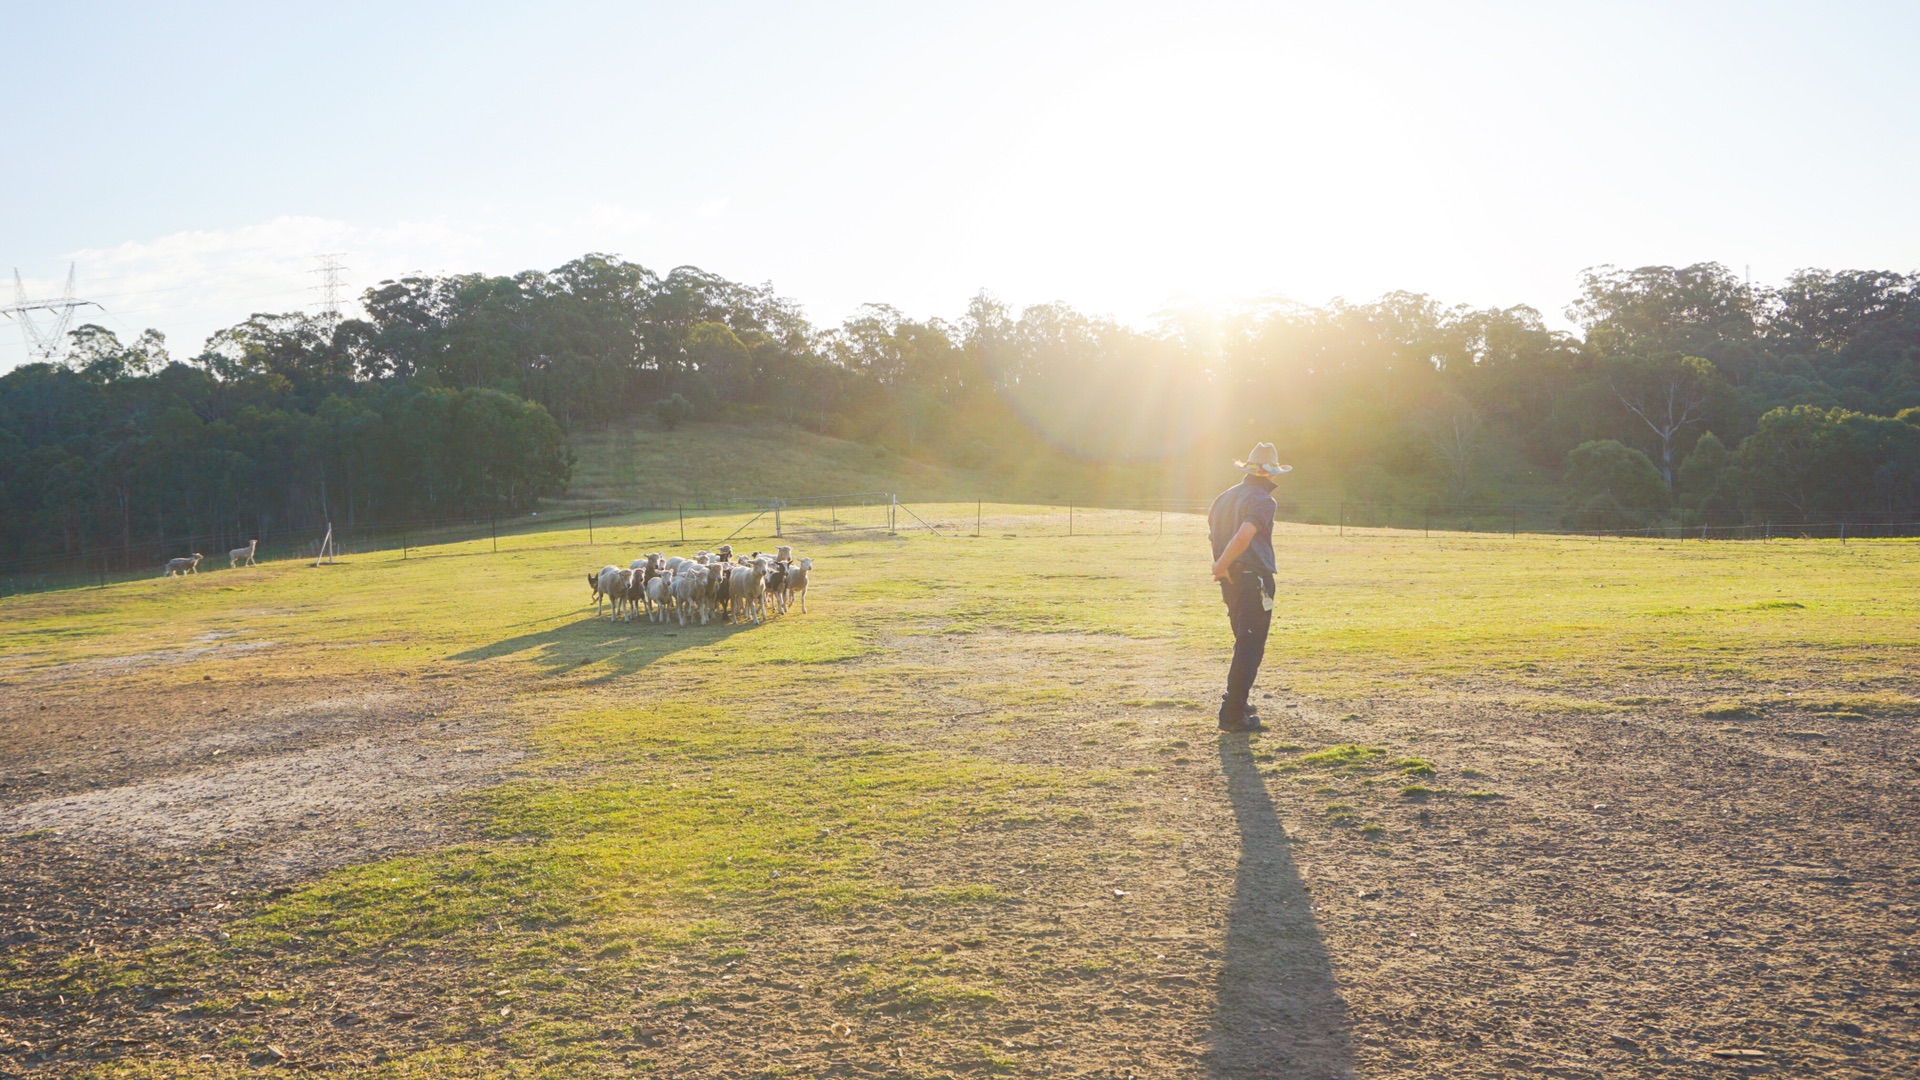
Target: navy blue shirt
x,y
1249,500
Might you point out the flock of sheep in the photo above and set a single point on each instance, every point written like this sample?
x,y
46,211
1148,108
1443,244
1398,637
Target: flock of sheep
x,y
191,564
711,585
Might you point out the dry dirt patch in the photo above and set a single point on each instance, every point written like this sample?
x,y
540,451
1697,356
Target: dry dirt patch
x,y
257,801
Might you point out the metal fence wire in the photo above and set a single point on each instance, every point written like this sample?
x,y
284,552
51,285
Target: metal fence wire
x,y
657,525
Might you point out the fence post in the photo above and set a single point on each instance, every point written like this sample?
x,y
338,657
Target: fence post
x,y
776,520
1843,532
682,511
1163,522
589,528
403,545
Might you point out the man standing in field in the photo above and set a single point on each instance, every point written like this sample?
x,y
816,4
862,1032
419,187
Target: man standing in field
x,y
1240,526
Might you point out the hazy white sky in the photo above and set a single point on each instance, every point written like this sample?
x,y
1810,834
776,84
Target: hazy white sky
x,y
191,159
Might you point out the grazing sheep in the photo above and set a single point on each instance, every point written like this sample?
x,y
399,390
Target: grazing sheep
x,y
622,593
636,595
182,566
603,586
237,554
777,586
722,591
797,581
713,588
711,585
659,594
686,592
740,593
757,589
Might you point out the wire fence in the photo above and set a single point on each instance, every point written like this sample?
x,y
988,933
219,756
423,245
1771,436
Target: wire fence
x,y
651,526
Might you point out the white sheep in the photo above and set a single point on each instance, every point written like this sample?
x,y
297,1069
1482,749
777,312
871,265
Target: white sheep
x,y
739,593
181,566
757,589
623,594
235,556
686,592
659,594
712,577
604,583
797,581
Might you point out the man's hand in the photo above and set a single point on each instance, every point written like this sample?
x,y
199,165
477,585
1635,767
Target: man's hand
x,y
1236,547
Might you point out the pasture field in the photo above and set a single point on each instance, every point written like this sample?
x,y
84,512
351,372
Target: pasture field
x,y
1528,806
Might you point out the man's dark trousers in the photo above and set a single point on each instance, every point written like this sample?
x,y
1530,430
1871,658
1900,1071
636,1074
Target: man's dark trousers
x,y
1251,620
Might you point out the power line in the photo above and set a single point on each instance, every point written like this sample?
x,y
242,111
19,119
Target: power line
x,y
48,343
331,278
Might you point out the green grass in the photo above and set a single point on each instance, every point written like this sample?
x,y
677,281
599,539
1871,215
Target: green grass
x,y
751,459
1346,755
683,784
720,461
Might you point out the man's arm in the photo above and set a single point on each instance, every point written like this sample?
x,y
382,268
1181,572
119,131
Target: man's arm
x,y
1236,547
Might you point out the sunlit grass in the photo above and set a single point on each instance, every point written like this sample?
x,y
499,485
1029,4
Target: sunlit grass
x,y
684,781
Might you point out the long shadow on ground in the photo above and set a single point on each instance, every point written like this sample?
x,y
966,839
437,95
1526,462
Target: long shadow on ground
x,y
612,649
1279,1013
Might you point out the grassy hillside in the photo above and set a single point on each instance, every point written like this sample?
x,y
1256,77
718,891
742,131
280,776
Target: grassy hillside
x,y
724,461
720,461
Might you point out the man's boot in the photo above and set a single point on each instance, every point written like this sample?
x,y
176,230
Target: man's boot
x,y
1238,718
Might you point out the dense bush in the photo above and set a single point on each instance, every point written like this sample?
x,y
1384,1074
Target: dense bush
x,y
105,458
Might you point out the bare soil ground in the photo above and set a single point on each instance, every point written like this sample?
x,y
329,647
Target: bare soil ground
x,y
1648,890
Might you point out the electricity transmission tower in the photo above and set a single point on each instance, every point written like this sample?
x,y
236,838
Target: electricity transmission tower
x,y
332,276
48,343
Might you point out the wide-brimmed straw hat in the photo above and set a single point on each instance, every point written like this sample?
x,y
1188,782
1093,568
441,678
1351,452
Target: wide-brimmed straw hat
x,y
1264,460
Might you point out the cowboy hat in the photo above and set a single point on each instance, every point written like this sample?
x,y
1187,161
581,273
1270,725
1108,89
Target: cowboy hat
x,y
1264,460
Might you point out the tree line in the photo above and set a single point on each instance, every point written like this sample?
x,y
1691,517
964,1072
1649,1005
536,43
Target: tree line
x,y
1684,392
